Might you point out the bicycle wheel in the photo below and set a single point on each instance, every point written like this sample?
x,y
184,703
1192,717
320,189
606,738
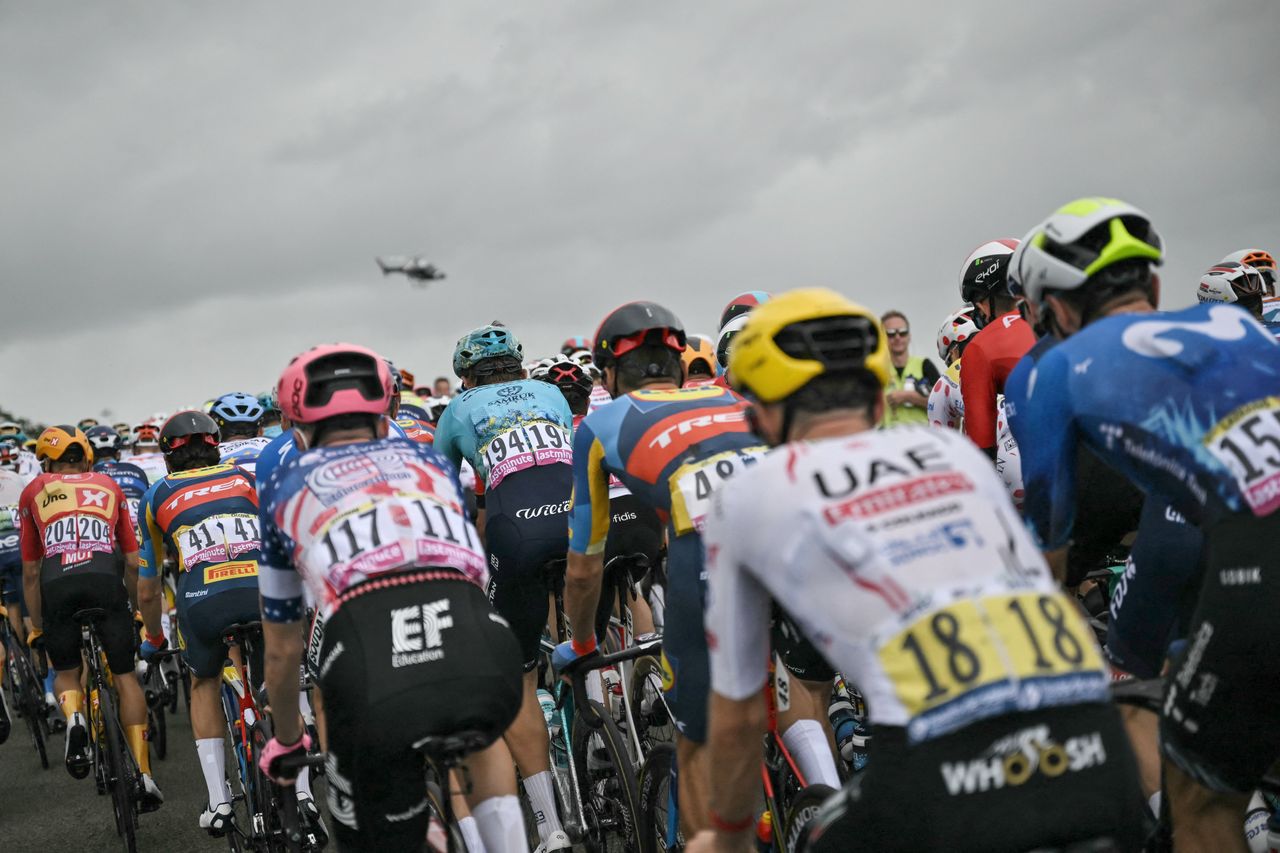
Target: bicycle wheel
x,y
120,776
656,817
802,809
441,835
263,800
157,731
653,718
608,784
31,702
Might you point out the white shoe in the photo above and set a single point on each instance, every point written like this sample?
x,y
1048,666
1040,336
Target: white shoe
x,y
151,798
218,821
557,840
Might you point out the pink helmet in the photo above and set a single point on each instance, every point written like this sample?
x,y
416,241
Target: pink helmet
x,y
335,379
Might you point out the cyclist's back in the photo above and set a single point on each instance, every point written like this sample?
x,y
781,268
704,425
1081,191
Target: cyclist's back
x,y
986,365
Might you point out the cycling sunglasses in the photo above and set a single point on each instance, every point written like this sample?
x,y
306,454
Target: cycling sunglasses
x,y
896,333
668,338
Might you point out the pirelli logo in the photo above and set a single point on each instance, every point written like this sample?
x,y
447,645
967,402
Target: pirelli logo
x,y
230,571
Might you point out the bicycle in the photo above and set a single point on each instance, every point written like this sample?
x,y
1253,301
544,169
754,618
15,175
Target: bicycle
x,y
265,802
26,690
114,767
160,678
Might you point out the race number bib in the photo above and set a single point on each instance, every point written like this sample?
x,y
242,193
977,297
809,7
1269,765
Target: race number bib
x,y
1247,442
393,534
977,658
217,539
539,443
77,534
695,483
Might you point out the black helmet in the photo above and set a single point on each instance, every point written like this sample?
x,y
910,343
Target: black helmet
x,y
185,426
104,439
986,271
634,324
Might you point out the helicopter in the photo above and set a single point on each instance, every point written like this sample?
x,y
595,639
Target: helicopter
x,y
415,268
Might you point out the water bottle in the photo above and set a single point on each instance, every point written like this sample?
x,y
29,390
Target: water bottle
x,y
764,832
548,705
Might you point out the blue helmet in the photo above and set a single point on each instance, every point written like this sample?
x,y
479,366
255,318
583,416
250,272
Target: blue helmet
x,y
236,408
491,341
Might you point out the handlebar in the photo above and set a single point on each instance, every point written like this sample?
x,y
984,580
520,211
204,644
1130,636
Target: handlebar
x,y
578,676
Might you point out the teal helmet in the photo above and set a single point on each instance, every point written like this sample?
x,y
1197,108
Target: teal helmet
x,y
492,341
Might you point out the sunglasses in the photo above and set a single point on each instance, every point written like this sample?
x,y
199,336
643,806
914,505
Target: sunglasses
x,y
897,333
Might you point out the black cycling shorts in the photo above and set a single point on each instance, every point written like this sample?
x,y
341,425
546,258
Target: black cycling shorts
x,y
11,591
526,525
634,531
409,658
1153,601
59,601
1013,783
204,621
1219,722
801,658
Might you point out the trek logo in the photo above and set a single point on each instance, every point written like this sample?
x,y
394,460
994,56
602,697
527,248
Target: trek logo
x,y
664,438
1013,760
417,633
187,495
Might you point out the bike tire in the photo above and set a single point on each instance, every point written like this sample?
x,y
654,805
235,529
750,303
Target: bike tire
x,y
659,725
119,772
655,782
802,809
265,800
453,839
31,703
610,793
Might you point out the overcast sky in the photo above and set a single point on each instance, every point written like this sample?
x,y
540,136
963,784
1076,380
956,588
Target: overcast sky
x,y
195,192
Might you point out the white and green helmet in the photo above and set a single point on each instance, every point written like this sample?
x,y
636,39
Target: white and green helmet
x,y
1080,240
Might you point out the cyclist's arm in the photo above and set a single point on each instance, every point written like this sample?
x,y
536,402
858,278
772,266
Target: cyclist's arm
x,y
280,586
588,530
738,636
978,388
127,539
150,559
32,547
446,440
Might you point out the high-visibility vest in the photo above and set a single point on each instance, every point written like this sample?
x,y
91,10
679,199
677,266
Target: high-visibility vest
x,y
894,415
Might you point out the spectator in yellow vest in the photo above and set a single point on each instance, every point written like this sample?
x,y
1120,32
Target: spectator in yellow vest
x,y
907,394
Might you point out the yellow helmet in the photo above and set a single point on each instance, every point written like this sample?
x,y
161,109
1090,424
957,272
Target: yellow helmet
x,y
57,440
772,371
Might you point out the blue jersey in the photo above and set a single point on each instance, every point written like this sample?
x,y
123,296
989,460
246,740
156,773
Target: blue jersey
x,y
207,520
334,517
131,479
504,428
283,447
671,449
243,451
1185,404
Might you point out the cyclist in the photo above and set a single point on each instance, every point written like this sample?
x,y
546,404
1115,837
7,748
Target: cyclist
x,y
271,425
146,450
1236,284
22,460
1262,261
79,551
411,649
669,447
239,419
1191,427
899,553
131,479
204,515
573,380
11,486
515,433
573,344
699,361
1002,339
946,404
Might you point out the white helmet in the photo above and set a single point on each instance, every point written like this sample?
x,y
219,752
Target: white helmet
x,y
1080,240
1262,261
1232,282
958,328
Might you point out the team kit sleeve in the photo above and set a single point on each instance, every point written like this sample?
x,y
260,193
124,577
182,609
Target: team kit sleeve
x,y
1042,424
978,387
446,440
278,581
31,543
589,514
151,546
738,605
125,536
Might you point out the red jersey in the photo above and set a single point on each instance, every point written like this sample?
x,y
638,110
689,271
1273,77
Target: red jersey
x,y
988,360
74,517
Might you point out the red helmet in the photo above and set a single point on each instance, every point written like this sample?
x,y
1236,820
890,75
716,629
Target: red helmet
x,y
335,379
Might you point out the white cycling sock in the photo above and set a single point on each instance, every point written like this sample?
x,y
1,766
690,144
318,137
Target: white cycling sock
x,y
470,834
213,764
1153,803
808,745
304,705
303,783
501,824
542,798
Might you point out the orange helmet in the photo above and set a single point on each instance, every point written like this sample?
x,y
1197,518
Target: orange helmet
x,y
55,441
146,433
701,352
